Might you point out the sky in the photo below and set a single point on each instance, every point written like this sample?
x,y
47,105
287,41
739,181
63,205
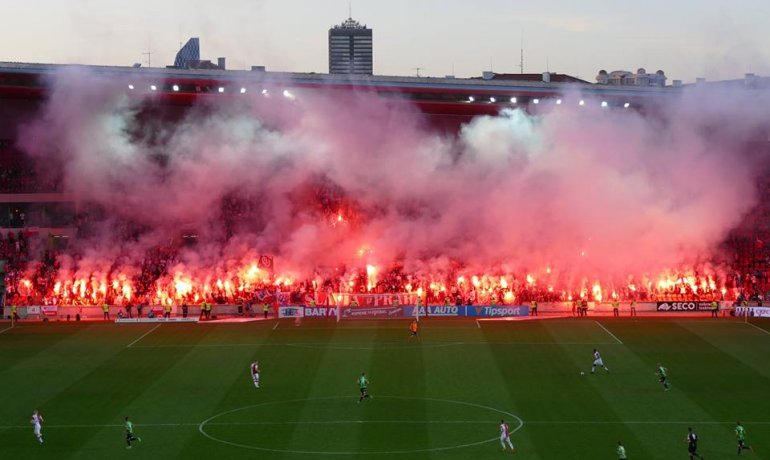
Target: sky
x,y
685,38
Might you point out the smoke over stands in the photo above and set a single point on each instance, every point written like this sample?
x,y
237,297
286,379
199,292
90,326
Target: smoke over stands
x,y
328,184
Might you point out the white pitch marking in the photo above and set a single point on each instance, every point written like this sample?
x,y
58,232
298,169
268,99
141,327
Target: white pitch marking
x,y
337,422
637,422
142,336
435,449
6,329
276,325
478,324
379,345
608,332
757,327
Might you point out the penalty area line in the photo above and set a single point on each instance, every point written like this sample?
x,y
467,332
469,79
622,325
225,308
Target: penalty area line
x,y
276,325
757,327
142,336
608,332
6,329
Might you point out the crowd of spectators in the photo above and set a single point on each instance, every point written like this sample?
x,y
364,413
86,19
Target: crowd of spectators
x,y
15,178
14,249
150,280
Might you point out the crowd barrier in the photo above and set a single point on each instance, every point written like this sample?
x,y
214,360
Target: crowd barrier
x,y
401,311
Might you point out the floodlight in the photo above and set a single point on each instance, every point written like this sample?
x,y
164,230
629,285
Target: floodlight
x,y
175,87
153,87
130,86
492,100
604,104
582,102
626,105
221,89
471,98
513,100
535,101
558,101
243,90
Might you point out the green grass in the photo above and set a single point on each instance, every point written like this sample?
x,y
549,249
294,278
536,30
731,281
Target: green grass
x,y
450,390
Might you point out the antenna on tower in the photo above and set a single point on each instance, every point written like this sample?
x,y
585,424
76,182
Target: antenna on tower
x,y
418,69
149,58
350,10
521,58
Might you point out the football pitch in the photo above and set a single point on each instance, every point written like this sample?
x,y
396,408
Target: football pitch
x,y
188,389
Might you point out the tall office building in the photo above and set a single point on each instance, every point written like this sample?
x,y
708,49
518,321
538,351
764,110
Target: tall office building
x,y
350,48
189,55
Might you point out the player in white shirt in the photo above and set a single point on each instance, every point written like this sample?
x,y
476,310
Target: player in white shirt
x,y
255,373
598,362
505,436
37,424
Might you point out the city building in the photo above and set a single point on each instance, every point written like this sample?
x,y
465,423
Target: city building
x,y
350,48
189,57
626,78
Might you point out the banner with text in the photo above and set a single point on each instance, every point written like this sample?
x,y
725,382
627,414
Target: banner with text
x,y
291,312
175,319
684,307
434,310
496,311
49,310
320,312
373,312
373,300
760,312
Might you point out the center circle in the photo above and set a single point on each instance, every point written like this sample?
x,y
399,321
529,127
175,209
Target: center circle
x,y
457,428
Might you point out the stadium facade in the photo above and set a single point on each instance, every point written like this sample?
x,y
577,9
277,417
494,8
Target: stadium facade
x,y
42,210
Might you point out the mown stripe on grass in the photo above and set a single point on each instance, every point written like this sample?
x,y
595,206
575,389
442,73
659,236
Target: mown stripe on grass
x,y
287,373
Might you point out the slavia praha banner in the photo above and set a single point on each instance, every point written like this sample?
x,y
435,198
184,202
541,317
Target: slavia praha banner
x,y
372,300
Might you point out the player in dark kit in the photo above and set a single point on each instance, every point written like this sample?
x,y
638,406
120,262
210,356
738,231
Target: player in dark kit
x,y
692,444
363,385
740,433
130,433
662,376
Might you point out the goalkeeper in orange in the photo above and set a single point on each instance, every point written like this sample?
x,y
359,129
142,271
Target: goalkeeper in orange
x,y
414,331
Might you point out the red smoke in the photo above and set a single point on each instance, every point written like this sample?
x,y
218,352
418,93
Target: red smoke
x,y
571,195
